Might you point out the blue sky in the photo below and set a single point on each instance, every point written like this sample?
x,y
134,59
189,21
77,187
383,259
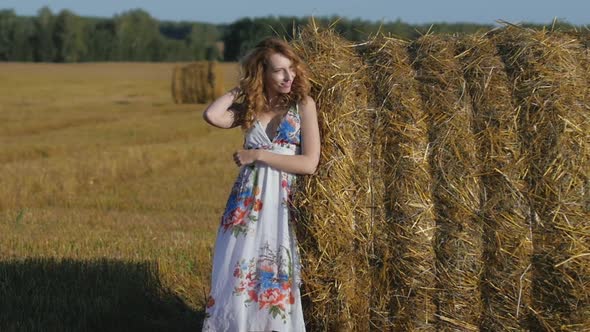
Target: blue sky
x,y
223,11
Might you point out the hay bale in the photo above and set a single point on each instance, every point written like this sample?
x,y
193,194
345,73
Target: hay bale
x,y
506,173
456,187
507,246
197,83
403,280
334,211
551,91
177,84
215,80
584,56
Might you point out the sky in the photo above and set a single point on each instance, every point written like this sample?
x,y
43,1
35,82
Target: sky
x,y
415,12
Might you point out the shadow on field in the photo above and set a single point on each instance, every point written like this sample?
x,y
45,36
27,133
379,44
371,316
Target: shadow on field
x,y
96,295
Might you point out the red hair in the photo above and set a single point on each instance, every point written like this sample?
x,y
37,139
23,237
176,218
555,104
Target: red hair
x,y
254,67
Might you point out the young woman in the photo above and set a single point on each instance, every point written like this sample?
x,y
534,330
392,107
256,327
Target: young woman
x,y
256,271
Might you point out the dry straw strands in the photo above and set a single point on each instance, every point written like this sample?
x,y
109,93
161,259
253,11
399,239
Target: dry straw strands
x,y
335,213
405,276
453,189
505,278
456,187
198,82
551,90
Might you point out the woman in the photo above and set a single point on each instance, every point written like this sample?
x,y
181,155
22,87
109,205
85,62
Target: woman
x,y
256,271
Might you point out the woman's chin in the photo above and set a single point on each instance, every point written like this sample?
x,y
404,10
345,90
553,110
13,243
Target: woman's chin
x,y
285,89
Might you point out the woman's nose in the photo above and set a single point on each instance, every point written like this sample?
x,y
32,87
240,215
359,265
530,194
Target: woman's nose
x,y
289,76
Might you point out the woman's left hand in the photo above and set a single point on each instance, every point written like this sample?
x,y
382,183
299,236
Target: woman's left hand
x,y
246,157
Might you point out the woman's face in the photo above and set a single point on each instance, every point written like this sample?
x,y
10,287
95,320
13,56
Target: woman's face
x,y
279,75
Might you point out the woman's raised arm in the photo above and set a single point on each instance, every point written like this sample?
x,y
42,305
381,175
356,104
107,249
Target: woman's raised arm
x,y
220,112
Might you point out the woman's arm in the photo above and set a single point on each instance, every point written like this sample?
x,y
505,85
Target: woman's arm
x,y
220,112
307,161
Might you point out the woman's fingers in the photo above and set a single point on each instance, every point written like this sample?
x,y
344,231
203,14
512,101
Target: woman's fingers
x,y
245,157
237,159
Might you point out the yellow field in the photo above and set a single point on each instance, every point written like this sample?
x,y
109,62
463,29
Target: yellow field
x,y
102,176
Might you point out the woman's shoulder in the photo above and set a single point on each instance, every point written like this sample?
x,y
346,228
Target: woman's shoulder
x,y
305,103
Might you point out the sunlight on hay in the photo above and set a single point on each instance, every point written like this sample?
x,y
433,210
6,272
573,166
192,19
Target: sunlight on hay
x,y
453,178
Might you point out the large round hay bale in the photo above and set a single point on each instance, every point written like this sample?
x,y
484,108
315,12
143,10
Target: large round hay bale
x,y
456,186
507,246
335,215
550,89
177,84
403,243
453,191
197,82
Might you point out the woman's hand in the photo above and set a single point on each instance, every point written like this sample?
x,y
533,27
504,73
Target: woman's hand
x,y
221,113
246,157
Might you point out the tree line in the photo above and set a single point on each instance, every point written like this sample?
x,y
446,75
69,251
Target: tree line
x,y
136,36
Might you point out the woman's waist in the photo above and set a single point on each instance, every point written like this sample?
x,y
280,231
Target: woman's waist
x,y
283,148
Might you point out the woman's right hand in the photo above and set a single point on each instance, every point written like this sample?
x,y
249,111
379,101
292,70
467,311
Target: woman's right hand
x,y
220,112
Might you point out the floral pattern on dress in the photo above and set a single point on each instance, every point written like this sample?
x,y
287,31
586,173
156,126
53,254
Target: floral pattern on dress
x,y
288,130
267,280
258,289
286,183
243,205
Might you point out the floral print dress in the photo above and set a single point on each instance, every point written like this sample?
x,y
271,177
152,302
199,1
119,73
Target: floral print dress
x,y
256,270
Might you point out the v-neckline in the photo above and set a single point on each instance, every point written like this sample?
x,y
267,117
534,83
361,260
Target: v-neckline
x,y
278,126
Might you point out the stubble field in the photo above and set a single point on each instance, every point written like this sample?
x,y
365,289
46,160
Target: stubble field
x,y
110,196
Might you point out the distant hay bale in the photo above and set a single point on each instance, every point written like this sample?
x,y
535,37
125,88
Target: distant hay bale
x,y
507,246
403,280
197,83
456,186
177,84
335,215
551,87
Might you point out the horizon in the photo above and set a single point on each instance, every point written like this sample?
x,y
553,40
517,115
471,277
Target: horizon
x,y
457,11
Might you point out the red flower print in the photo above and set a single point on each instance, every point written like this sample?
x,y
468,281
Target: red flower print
x,y
237,272
238,217
210,301
248,201
284,183
262,281
253,296
258,205
280,298
269,297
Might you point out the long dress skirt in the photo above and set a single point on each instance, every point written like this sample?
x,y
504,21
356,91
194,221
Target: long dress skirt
x,y
256,270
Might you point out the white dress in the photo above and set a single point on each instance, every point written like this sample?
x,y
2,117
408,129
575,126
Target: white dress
x,y
256,271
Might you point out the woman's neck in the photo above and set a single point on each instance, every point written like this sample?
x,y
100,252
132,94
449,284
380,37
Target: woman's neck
x,y
272,101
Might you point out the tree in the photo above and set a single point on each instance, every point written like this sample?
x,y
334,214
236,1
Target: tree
x,y
7,23
43,40
100,40
202,40
22,40
244,34
68,37
137,36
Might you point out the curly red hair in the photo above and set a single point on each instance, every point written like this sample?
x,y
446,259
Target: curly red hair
x,y
254,66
